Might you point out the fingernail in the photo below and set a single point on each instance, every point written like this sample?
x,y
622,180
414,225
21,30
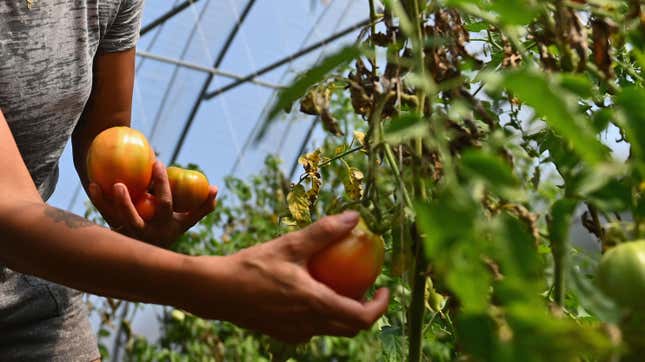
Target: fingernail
x,y
349,217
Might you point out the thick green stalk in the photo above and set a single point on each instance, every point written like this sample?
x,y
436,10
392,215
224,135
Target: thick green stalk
x,y
391,161
372,32
558,279
417,304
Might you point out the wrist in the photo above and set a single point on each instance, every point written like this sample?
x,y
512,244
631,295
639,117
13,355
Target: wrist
x,y
200,284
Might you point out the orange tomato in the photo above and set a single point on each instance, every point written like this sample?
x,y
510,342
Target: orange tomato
x,y
121,154
146,206
189,188
351,265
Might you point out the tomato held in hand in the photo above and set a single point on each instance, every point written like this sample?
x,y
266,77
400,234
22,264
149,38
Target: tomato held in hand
x,y
121,154
351,265
189,188
621,274
146,206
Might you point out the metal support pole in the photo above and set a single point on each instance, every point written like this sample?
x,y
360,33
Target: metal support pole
x,y
303,147
209,79
169,14
287,59
202,68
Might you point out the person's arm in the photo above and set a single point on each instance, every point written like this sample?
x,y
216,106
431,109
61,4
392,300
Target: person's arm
x,y
266,287
110,105
42,240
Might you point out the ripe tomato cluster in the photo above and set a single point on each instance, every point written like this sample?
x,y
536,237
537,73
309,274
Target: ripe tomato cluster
x,y
350,266
124,155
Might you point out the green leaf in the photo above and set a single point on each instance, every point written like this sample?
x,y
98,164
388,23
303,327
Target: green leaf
x,y
405,127
468,278
514,12
477,26
478,334
446,219
630,101
489,167
509,12
576,83
520,251
299,87
602,118
615,195
558,108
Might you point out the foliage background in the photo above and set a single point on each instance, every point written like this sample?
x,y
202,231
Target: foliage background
x,y
468,133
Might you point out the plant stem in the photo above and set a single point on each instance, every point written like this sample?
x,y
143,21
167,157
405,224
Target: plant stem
x,y
327,162
558,282
340,155
373,31
371,140
389,156
417,305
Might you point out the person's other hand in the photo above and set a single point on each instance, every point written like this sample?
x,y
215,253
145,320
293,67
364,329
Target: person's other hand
x,y
268,288
165,226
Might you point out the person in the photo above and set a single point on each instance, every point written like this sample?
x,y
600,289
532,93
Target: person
x,y
66,71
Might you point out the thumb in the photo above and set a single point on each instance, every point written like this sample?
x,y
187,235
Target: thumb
x,y
317,236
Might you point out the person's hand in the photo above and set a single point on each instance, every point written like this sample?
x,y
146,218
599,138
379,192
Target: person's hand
x,y
165,227
267,288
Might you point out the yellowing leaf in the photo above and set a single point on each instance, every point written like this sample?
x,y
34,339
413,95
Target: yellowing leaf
x,y
353,182
310,161
299,205
360,137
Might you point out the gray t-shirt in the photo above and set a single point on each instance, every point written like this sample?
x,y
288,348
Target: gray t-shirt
x,y
46,56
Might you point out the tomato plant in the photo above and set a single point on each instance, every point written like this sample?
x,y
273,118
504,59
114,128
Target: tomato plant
x,y
121,154
146,206
498,147
189,188
350,266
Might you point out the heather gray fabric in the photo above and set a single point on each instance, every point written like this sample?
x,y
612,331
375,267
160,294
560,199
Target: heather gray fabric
x,y
46,56
42,321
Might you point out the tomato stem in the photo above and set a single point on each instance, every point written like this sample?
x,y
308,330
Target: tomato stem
x,y
417,305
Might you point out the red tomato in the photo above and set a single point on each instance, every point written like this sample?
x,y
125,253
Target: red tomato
x,y
189,188
146,206
351,265
121,154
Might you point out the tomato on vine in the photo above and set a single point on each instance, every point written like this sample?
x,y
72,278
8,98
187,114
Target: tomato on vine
x,y
621,274
350,266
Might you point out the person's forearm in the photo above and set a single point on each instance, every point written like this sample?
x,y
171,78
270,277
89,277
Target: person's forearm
x,y
109,105
41,240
